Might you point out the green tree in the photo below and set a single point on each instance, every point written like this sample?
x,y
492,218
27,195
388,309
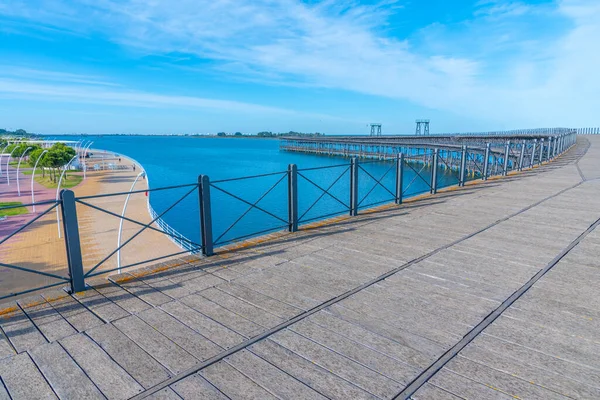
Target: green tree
x,y
20,132
221,134
57,157
238,134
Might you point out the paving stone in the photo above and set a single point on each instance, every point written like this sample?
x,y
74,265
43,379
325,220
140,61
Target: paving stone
x,y
50,323
100,305
240,307
63,374
23,380
195,387
270,377
188,339
20,331
310,374
157,345
108,376
352,371
139,364
121,297
222,315
267,303
76,314
399,371
429,391
165,394
207,327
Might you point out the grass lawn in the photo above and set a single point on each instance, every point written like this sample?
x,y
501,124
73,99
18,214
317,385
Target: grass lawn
x,y
12,211
68,181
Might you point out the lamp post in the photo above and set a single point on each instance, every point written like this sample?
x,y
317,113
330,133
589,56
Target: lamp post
x,y
7,161
33,177
58,191
1,154
19,166
121,222
85,150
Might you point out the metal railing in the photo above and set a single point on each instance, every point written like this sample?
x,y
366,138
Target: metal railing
x,y
176,237
588,131
347,186
188,245
61,279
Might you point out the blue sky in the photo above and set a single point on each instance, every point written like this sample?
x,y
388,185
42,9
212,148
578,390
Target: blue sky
x,y
195,66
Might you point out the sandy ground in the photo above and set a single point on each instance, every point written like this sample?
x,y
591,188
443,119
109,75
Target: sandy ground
x,y
39,247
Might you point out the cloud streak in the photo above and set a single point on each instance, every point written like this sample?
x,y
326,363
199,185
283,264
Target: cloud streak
x,y
502,73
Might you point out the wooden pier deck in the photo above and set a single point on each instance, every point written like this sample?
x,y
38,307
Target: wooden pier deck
x,y
485,292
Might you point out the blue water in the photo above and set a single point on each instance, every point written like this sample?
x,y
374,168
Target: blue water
x,y
180,160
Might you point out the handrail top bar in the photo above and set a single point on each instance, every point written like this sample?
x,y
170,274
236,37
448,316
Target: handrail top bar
x,y
417,139
96,196
248,177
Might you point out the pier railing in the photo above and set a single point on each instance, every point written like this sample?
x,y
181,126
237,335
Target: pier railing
x,y
296,198
588,131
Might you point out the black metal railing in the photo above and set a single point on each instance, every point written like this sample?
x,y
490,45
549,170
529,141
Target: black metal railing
x,y
15,236
298,196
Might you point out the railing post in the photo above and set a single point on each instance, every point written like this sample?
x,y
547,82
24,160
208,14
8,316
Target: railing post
x,y
506,155
293,197
399,171
72,243
522,156
541,151
434,165
205,215
463,166
353,187
533,153
486,161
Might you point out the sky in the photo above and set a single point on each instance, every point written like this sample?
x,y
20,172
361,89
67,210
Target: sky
x,y
196,66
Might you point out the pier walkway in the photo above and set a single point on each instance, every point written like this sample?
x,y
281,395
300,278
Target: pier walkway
x,y
484,292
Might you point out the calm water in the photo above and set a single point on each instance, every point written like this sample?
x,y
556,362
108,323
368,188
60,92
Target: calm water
x,y
179,160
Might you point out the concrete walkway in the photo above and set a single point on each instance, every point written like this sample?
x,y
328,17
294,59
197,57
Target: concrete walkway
x,y
485,292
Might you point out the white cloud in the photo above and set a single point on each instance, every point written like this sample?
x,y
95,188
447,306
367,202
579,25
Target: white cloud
x,y
344,45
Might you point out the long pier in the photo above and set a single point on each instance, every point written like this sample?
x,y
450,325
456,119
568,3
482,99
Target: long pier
x,y
483,291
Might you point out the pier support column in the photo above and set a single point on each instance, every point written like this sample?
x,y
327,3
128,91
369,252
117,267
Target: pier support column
x,y
399,172
353,187
506,156
549,149
533,153
72,243
293,197
486,161
463,166
522,156
205,215
434,165
541,151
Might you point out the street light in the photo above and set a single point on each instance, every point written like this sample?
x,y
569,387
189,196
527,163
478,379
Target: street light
x,y
7,161
33,176
1,154
19,166
85,150
121,222
58,191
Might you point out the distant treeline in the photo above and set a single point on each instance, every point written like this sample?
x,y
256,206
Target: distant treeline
x,y
18,132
